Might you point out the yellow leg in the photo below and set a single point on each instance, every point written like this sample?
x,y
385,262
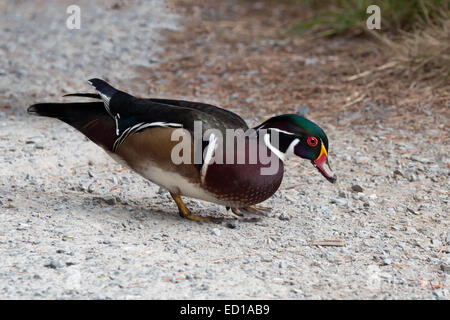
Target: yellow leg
x,y
237,212
184,211
260,210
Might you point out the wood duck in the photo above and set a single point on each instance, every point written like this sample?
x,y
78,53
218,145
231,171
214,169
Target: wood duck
x,y
139,133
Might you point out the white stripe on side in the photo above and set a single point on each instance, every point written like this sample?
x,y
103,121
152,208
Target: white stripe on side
x,y
208,157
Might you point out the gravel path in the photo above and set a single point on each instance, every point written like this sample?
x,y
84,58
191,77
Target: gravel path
x,y
75,224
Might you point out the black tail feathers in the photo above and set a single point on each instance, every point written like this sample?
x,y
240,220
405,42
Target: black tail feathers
x,y
70,113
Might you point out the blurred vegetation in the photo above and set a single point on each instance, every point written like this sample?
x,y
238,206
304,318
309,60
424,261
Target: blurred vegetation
x,y
341,16
417,32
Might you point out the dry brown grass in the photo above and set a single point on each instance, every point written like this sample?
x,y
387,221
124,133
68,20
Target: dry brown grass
x,y
423,55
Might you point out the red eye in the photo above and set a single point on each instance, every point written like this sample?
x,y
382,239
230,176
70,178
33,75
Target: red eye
x,y
312,141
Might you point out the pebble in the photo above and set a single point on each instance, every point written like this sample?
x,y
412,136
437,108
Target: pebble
x,y
204,287
373,196
110,200
161,190
311,61
290,199
445,267
357,188
216,232
303,110
54,264
233,224
91,188
412,211
342,194
338,201
284,217
439,294
234,96
421,160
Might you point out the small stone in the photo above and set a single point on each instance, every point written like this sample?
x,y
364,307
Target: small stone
x,y
398,173
303,110
357,188
311,61
110,200
445,267
53,264
216,232
161,190
204,287
342,194
233,224
290,199
338,201
421,160
284,217
412,211
439,294
91,188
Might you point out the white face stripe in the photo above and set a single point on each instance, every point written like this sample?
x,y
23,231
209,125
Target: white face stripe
x,y
283,156
282,131
208,157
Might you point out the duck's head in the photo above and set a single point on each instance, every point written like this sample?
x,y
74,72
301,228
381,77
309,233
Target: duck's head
x,y
301,137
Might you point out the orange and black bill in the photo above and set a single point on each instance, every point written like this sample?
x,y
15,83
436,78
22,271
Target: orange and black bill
x,y
320,162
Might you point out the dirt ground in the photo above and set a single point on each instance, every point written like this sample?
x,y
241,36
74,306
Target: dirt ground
x,y
74,224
